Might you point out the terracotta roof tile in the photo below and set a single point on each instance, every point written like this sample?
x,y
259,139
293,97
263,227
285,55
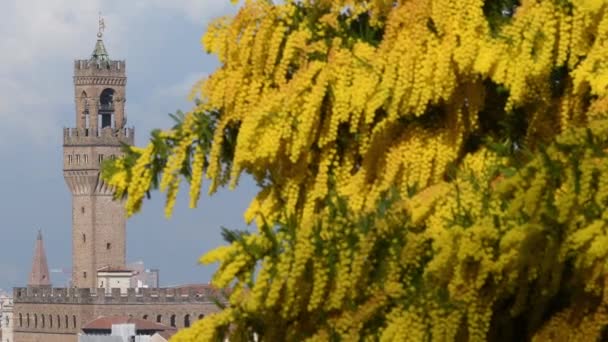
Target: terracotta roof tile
x,y
166,334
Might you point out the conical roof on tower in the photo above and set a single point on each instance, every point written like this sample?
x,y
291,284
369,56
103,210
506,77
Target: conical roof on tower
x,y
100,54
40,269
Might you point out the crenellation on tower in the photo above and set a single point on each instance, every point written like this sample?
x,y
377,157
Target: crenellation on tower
x,y
83,67
99,137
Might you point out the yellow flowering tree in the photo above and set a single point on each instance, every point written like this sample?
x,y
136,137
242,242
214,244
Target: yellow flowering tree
x,y
428,169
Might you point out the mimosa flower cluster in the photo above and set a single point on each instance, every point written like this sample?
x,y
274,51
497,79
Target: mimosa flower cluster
x,y
428,169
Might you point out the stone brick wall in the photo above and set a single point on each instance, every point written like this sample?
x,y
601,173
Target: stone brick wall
x,y
100,137
58,315
6,319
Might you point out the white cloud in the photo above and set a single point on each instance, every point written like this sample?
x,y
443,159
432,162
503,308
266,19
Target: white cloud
x,y
34,31
40,38
195,10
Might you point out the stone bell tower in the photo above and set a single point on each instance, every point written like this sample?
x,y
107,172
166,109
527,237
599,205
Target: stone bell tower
x,y
98,222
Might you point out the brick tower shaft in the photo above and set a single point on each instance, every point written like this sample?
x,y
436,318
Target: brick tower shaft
x,y
98,222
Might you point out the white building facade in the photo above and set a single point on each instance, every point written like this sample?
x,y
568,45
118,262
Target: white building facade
x,y
6,318
114,279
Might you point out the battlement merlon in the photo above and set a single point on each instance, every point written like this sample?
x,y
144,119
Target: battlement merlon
x,y
98,137
100,296
86,67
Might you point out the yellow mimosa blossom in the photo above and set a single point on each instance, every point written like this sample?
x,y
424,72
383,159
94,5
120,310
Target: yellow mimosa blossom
x,y
429,170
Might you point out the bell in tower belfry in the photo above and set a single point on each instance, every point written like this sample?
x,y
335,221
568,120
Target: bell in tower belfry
x,y
98,222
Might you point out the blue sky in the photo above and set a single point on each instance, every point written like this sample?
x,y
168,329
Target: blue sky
x,y
160,39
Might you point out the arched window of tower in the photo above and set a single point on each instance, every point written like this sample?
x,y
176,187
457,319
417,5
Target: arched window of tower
x,y
35,321
187,321
74,322
85,108
159,318
173,321
58,322
145,317
106,107
20,320
66,322
85,103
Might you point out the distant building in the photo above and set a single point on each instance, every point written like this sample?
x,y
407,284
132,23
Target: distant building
x,y
101,280
6,319
143,277
114,278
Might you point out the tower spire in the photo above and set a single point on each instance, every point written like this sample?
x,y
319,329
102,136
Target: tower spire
x,y
40,269
100,54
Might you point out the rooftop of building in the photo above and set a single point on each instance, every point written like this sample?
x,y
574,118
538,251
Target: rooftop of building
x,y
106,322
166,334
112,269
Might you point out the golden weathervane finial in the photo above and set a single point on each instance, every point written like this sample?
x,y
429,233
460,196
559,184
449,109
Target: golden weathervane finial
x,y
102,26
